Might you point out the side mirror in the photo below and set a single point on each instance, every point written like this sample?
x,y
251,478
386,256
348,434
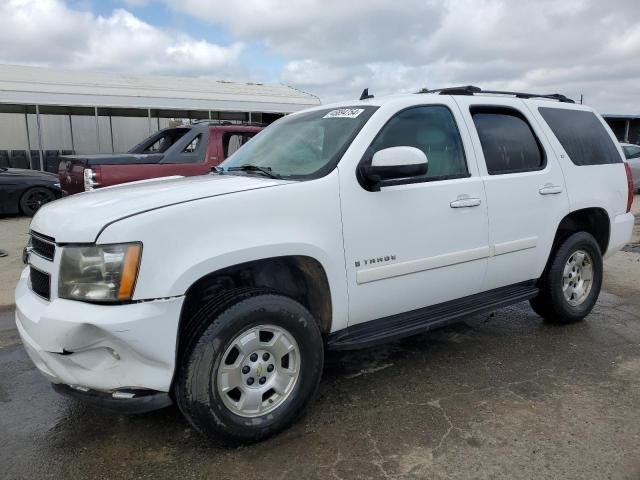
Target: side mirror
x,y
394,163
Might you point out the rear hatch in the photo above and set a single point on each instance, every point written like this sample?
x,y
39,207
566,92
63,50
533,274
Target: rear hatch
x,y
71,167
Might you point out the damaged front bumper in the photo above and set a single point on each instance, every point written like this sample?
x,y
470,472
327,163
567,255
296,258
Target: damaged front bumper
x,y
121,352
122,401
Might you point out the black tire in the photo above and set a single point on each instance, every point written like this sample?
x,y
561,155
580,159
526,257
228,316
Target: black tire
x,y
32,199
208,335
551,303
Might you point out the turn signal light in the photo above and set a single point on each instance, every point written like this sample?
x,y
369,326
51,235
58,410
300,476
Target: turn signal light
x,y
129,272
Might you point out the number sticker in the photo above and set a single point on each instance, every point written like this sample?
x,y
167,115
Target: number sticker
x,y
344,113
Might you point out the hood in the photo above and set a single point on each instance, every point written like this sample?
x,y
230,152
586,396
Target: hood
x,y
26,173
80,218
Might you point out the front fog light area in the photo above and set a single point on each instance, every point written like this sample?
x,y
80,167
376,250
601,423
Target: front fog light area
x,y
99,273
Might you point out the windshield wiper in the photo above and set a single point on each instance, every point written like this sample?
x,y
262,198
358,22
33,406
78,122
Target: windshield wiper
x,y
255,168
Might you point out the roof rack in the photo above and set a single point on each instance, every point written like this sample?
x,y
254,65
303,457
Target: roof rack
x,y
472,90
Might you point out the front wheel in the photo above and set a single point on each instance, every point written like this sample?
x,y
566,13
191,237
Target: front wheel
x,y
34,198
251,368
571,284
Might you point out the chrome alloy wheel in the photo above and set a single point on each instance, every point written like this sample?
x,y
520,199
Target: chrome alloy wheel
x,y
258,371
577,278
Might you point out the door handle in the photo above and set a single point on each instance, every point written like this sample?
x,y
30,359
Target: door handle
x,y
465,201
550,189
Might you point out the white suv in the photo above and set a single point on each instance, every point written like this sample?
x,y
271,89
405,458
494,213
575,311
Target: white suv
x,y
338,227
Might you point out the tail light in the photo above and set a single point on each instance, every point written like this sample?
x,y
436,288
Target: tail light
x,y
91,179
629,186
97,176
88,179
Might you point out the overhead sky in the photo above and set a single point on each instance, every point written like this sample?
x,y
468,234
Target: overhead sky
x,y
335,48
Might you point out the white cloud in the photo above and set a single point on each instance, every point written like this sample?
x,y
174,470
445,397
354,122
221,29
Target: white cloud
x,y
47,32
335,48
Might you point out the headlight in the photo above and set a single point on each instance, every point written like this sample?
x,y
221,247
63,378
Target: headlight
x,y
99,273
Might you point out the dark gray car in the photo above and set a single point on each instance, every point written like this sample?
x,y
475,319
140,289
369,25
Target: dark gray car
x,y
25,191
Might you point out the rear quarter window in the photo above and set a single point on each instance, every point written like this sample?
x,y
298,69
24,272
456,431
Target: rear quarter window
x,y
582,136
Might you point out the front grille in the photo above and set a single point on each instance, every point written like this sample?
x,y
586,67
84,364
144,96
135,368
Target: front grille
x,y
43,246
40,283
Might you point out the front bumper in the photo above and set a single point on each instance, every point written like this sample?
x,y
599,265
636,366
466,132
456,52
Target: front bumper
x,y
134,402
100,347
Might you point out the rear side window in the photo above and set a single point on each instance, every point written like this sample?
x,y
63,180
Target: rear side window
x,y
582,136
233,141
508,142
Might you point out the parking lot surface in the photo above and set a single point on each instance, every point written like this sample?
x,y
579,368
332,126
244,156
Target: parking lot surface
x,y
499,396
14,233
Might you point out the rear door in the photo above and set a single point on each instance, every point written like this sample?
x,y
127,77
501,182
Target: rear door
x,y
526,192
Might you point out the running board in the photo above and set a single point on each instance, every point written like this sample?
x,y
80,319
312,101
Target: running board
x,y
385,329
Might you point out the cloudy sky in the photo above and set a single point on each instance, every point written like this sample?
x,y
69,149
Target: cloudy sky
x,y
335,48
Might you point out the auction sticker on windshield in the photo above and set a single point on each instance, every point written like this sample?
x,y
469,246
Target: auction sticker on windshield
x,y
344,113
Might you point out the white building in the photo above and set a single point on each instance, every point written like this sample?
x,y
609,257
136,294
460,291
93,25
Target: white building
x,y
45,112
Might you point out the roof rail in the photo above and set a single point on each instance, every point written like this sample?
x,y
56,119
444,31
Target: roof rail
x,y
472,90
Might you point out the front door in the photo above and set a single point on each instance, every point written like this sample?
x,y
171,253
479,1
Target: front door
x,y
422,242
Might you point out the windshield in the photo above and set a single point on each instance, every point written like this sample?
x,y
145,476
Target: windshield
x,y
305,145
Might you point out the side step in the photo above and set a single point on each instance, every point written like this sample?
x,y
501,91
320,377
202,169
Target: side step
x,y
424,319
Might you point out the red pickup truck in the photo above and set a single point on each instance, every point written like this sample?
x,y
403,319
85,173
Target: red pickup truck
x,y
188,150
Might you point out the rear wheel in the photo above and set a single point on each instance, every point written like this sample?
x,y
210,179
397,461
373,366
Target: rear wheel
x,y
34,198
571,284
252,362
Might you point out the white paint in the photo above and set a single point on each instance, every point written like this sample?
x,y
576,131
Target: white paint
x,y
515,245
382,272
398,156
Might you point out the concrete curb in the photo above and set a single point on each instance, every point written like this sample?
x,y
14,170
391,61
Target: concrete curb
x,y
8,308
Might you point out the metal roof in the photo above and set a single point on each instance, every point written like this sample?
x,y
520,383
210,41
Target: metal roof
x,y
45,86
613,116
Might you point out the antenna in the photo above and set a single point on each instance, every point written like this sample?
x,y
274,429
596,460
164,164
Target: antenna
x,y
365,94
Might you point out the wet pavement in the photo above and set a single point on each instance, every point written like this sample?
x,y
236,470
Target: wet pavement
x,y
499,396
